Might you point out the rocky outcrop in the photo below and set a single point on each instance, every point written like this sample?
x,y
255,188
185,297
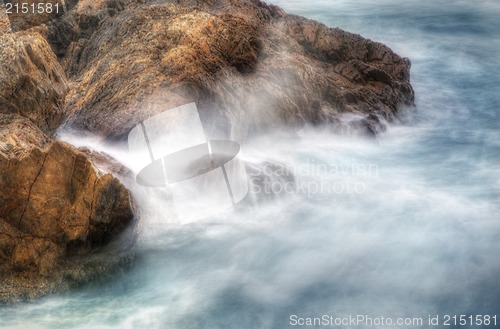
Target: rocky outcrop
x,y
101,67
32,82
62,220
56,208
173,55
249,66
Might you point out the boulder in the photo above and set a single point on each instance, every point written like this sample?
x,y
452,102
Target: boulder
x,y
56,208
249,66
32,82
64,218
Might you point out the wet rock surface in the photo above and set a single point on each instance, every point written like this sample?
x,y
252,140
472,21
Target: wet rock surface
x,y
63,221
32,82
248,65
56,208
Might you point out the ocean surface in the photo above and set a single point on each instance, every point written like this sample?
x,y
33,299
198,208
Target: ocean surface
x,y
406,226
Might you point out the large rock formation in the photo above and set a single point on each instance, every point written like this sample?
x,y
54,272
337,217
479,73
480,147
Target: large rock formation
x,y
58,212
32,82
249,66
56,208
101,67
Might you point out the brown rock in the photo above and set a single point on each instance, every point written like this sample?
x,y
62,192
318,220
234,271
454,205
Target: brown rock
x,y
154,44
32,82
35,255
249,66
62,220
4,20
55,193
55,208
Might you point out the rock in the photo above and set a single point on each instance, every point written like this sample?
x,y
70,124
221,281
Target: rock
x,y
164,44
56,208
4,20
63,220
18,136
32,82
249,66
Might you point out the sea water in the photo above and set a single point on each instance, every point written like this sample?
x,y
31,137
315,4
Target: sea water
x,y
406,226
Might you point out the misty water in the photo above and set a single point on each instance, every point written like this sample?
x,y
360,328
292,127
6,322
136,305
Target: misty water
x,y
406,225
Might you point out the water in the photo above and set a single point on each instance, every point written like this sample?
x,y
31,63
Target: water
x,y
405,226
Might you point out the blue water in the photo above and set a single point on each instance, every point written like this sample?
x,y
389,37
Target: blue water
x,y
404,226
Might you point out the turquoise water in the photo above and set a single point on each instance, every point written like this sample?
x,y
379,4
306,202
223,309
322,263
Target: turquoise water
x,y
404,226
